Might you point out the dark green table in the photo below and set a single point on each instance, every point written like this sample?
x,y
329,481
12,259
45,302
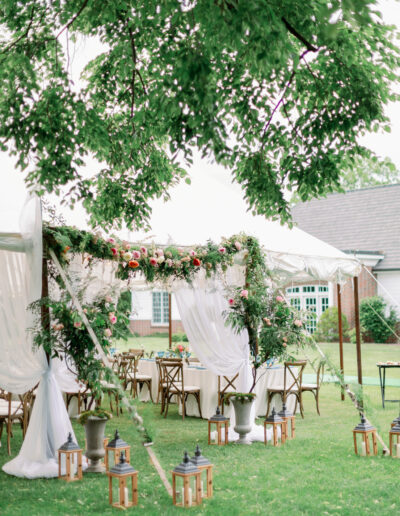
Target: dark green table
x,y
382,380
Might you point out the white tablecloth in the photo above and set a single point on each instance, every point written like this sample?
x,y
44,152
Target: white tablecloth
x,y
208,383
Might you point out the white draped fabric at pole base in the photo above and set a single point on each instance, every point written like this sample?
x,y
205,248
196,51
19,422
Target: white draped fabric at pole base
x,y
21,366
215,344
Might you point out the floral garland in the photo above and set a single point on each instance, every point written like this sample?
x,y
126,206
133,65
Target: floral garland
x,y
155,262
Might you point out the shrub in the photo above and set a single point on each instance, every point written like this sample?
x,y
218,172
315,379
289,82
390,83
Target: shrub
x,y
377,325
328,326
179,337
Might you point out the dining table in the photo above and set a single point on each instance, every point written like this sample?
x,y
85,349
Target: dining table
x,y
197,375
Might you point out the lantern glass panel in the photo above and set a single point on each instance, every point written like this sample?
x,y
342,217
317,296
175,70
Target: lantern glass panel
x,y
180,490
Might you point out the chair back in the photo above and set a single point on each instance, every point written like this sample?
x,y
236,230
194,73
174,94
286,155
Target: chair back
x,y
139,352
229,383
320,373
173,373
293,376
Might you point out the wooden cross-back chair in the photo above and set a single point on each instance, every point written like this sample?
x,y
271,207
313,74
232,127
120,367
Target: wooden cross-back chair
x,y
223,390
14,410
175,385
315,387
129,373
162,382
292,382
84,396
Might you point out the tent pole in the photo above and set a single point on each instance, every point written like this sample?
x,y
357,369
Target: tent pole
x,y
169,322
339,304
44,310
358,335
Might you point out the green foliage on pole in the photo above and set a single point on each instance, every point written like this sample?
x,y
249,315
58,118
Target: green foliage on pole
x,y
278,92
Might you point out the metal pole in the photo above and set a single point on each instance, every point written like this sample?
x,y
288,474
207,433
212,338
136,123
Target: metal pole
x,y
169,321
358,334
339,301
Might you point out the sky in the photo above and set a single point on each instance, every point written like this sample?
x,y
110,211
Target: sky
x,y
190,206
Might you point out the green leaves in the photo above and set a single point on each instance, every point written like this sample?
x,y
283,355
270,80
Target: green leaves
x,y
279,92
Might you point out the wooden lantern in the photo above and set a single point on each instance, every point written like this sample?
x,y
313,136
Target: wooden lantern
x,y
205,467
290,420
127,477
186,484
70,461
219,424
395,432
114,449
365,430
276,422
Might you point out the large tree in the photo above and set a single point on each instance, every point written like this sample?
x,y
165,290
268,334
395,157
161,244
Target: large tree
x,y
278,91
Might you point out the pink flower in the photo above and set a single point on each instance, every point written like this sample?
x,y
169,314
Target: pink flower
x,y
284,339
169,262
127,246
159,252
298,323
153,262
284,344
77,324
192,253
222,250
60,327
114,251
244,293
111,241
136,255
144,251
113,319
238,246
107,332
180,347
231,301
267,321
108,299
279,299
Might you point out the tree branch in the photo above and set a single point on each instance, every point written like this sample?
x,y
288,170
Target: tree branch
x,y
82,7
297,35
24,35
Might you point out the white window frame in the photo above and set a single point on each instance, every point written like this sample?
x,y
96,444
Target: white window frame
x,y
320,292
164,308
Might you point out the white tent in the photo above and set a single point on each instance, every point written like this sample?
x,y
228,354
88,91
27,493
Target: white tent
x,y
292,252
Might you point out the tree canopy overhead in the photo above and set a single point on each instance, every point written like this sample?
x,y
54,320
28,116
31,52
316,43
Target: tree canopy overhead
x,y
277,91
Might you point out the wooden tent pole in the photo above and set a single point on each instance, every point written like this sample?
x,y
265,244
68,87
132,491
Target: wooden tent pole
x,y
169,321
358,334
339,302
44,310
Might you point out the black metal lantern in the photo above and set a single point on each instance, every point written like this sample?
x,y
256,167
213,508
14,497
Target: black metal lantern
x,y
365,429
114,449
205,467
186,484
275,421
122,472
217,423
70,461
289,418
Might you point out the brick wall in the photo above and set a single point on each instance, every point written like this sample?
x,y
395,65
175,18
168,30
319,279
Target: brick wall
x,y
367,287
145,327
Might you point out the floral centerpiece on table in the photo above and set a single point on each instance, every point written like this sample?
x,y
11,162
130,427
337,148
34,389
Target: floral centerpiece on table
x,y
181,351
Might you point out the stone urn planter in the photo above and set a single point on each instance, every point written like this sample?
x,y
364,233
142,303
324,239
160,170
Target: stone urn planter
x,y
95,424
242,405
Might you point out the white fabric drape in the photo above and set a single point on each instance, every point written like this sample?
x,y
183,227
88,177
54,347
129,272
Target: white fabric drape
x,y
21,366
216,345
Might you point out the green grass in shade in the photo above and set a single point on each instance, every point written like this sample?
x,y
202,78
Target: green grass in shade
x,y
317,473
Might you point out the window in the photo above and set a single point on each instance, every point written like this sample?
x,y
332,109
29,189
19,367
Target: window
x,y
324,304
160,308
313,298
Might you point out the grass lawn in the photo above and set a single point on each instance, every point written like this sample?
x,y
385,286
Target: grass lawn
x,y
317,473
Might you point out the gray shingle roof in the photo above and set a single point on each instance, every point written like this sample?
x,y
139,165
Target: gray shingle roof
x,y
363,220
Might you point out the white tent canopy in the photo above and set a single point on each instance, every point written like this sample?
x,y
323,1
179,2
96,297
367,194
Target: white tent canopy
x,y
212,209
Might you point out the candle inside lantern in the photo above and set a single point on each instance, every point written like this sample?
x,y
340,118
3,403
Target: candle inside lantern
x,y
190,497
363,449
202,490
126,497
397,450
